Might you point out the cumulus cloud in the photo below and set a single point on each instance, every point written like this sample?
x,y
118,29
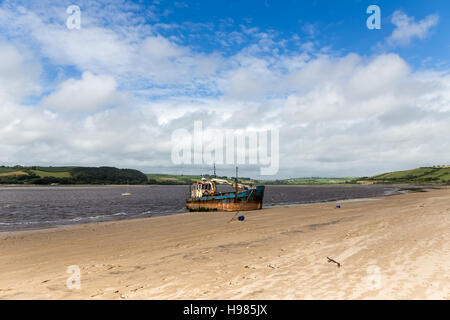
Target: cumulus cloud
x,y
87,94
113,41
406,29
372,113
19,74
338,114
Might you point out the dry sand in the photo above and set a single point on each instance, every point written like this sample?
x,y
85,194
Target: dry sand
x,y
394,248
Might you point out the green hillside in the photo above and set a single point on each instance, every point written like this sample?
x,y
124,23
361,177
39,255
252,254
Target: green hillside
x,y
6,170
110,175
419,175
94,175
70,175
309,181
56,174
156,178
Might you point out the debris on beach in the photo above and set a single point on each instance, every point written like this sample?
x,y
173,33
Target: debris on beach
x,y
334,261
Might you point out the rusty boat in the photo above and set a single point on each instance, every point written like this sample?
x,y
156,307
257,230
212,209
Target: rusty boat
x,y
203,196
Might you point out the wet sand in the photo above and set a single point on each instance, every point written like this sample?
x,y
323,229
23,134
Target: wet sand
x,y
397,247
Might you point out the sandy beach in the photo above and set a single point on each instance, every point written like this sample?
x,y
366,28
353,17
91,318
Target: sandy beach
x,y
396,247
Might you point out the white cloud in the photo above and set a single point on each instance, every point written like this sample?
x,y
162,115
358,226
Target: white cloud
x,y
88,94
19,75
309,28
127,48
372,79
337,114
406,29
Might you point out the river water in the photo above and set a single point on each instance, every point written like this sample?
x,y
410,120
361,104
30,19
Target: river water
x,y
33,207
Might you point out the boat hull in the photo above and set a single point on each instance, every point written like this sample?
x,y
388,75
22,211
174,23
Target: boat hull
x,y
242,201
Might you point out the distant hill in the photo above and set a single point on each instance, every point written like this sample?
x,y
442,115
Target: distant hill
x,y
419,175
70,175
188,179
309,181
94,175
111,175
156,178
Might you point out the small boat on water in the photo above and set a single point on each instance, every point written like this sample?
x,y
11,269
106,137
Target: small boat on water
x,y
203,196
127,194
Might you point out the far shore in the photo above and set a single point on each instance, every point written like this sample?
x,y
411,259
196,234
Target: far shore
x,y
270,185
395,248
405,189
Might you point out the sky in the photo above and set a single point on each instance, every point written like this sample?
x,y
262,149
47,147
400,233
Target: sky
x,y
346,100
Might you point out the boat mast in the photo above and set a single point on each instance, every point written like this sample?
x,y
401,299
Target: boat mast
x,y
236,185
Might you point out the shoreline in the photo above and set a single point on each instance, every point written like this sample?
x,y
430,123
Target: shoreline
x,y
270,185
277,253
278,206
357,199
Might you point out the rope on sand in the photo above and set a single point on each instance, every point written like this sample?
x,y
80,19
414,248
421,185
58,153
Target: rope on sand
x,y
237,212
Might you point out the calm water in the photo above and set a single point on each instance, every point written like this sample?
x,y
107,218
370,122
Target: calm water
x,y
42,207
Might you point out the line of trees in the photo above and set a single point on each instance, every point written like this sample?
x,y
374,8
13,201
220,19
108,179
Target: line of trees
x,y
81,175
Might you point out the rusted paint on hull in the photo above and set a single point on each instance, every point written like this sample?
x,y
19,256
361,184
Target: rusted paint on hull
x,y
222,206
242,201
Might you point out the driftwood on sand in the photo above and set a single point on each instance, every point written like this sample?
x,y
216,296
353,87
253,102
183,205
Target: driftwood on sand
x,y
332,260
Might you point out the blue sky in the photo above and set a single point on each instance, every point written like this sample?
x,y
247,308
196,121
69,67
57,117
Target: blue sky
x,y
346,100
339,24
